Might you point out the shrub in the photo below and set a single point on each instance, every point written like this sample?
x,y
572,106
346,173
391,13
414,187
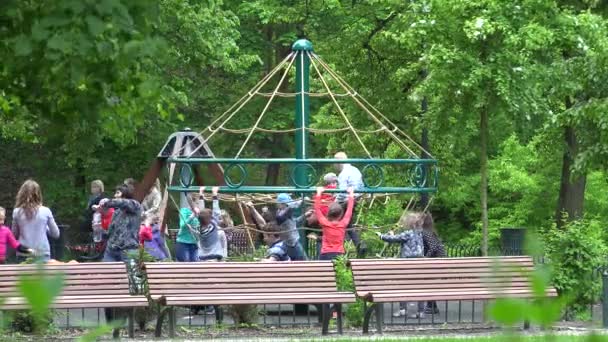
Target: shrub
x,y
575,253
344,279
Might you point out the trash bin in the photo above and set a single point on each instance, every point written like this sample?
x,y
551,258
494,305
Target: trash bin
x,y
58,245
512,241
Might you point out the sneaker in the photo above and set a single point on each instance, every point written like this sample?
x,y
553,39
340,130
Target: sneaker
x,y
431,311
418,315
210,310
399,313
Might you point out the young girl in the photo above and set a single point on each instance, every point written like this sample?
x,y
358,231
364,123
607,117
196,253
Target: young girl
x,y
412,246
186,246
285,220
32,221
8,239
211,246
333,226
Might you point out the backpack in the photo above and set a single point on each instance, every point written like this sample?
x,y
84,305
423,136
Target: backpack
x,y
412,246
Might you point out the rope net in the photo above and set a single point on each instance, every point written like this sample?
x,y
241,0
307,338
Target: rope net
x,y
325,76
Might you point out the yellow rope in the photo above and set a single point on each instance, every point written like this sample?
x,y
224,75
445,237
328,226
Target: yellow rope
x,y
291,130
336,77
350,89
338,107
290,57
257,122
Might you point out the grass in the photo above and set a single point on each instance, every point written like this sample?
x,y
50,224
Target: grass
x,y
501,338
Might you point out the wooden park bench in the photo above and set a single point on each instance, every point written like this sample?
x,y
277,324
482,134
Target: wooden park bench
x,y
225,283
87,285
379,281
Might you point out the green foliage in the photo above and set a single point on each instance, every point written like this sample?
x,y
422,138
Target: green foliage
x,y
542,311
39,290
575,252
344,278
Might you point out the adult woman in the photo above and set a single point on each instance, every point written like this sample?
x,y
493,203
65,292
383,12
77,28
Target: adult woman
x,y
123,233
32,220
151,205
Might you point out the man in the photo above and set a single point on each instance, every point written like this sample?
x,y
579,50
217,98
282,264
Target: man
x,y
349,176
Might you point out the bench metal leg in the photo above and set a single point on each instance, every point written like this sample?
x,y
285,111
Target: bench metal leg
x,y
338,307
367,316
326,313
172,321
131,323
219,314
526,324
379,317
158,331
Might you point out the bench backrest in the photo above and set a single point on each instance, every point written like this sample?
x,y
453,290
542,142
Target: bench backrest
x,y
372,275
200,278
79,279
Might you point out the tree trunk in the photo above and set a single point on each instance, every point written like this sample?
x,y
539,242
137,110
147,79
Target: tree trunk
x,y
572,190
483,170
424,142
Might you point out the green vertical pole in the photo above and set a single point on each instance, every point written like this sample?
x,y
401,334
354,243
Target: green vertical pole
x,y
302,116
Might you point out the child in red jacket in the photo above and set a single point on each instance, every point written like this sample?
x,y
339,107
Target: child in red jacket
x,y
333,226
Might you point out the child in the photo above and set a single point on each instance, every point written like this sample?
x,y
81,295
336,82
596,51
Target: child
x,y
277,250
8,239
186,245
287,223
333,227
330,181
225,222
151,238
433,248
210,242
102,217
412,246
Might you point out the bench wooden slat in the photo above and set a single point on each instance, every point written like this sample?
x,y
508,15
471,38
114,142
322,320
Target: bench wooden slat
x,y
426,270
454,295
236,276
302,298
259,290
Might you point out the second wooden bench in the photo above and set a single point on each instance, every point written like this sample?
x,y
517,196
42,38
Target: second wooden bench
x,y
225,283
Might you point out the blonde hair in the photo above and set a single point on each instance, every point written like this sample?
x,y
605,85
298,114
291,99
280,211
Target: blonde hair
x,y
226,219
411,221
2,213
29,198
98,184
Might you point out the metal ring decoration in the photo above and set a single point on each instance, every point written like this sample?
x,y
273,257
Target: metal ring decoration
x,y
186,176
435,176
311,175
418,176
379,175
243,173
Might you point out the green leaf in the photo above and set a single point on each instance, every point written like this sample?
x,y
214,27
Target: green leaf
x,y
508,311
96,26
59,42
23,45
39,32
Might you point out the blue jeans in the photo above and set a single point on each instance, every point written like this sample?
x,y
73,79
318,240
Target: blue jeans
x,y
187,252
117,255
296,252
